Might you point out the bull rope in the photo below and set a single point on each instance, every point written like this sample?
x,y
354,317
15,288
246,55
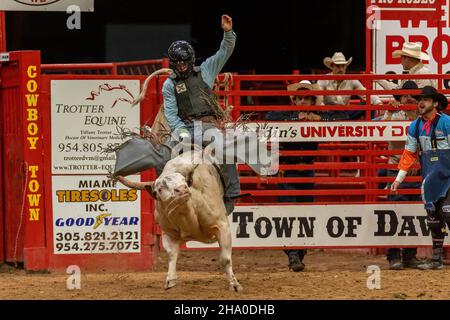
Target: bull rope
x,y
25,167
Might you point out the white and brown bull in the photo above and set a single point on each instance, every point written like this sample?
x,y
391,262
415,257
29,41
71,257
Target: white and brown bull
x,y
190,207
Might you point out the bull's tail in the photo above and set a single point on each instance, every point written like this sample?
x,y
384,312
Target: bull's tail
x,y
147,81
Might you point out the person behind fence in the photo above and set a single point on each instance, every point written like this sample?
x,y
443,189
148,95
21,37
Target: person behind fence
x,y
187,92
338,65
400,258
429,137
411,59
295,257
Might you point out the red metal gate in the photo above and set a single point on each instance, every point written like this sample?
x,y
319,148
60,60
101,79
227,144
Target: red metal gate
x,y
22,170
26,236
11,142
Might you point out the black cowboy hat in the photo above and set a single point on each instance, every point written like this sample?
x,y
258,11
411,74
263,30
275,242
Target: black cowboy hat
x,y
408,85
431,92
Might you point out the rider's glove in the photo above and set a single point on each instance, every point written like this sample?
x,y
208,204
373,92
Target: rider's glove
x,y
184,134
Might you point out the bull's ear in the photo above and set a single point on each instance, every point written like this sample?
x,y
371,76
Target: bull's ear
x,y
150,189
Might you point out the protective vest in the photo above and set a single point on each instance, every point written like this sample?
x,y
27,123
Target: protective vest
x,y
435,165
192,96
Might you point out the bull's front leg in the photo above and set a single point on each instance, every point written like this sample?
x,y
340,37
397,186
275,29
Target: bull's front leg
x,y
224,239
172,248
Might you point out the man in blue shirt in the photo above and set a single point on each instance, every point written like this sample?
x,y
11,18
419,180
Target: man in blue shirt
x,y
429,139
188,94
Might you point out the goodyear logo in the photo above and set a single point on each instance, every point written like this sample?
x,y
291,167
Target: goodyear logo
x,y
102,219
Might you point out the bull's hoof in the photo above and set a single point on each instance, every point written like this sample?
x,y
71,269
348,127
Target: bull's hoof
x,y
235,287
170,284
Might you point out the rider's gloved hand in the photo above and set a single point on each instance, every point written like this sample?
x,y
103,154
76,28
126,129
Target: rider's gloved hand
x,y
184,134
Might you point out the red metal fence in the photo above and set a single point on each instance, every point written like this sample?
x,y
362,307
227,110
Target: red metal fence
x,y
143,67
344,171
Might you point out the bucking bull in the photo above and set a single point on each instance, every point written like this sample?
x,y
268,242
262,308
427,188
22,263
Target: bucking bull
x,y
189,206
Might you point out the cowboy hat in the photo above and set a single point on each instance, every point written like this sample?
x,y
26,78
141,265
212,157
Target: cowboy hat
x,y
337,58
305,85
408,85
431,92
411,49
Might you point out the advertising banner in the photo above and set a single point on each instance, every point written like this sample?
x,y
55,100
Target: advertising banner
x,y
333,131
405,25
321,226
86,115
94,215
91,214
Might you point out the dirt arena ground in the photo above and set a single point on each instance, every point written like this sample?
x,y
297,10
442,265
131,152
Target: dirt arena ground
x,y
263,274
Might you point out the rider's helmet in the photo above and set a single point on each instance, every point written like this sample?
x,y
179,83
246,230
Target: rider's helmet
x,y
181,58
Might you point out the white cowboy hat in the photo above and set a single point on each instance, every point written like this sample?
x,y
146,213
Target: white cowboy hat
x,y
411,49
299,85
337,58
304,84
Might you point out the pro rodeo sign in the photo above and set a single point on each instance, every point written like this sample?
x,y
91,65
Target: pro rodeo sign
x,y
45,5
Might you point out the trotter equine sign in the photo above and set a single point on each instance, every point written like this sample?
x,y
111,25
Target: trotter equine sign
x,y
45,5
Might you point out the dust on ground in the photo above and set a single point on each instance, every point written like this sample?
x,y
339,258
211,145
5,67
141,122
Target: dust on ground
x,y
262,273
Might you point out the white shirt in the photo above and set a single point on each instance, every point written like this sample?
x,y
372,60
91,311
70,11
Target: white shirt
x,y
419,68
343,85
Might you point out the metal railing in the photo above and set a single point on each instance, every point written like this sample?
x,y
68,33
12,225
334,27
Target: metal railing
x,y
343,171
142,67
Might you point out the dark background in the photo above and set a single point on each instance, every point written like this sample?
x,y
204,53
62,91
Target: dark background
x,y
273,37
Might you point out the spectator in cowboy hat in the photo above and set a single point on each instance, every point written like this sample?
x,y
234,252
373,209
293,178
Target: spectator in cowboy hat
x,y
402,99
338,65
295,257
431,92
411,56
400,258
304,100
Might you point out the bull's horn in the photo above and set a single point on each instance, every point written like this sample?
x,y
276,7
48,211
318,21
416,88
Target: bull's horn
x,y
147,81
135,185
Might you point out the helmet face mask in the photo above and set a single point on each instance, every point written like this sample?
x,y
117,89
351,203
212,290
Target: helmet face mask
x,y
181,58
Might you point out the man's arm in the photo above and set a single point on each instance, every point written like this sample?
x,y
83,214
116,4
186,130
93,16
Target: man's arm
x,y
322,84
170,106
357,85
409,156
387,85
281,115
426,82
336,115
214,64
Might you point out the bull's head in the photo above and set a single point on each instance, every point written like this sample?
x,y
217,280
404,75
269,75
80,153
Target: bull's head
x,y
168,187
172,186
